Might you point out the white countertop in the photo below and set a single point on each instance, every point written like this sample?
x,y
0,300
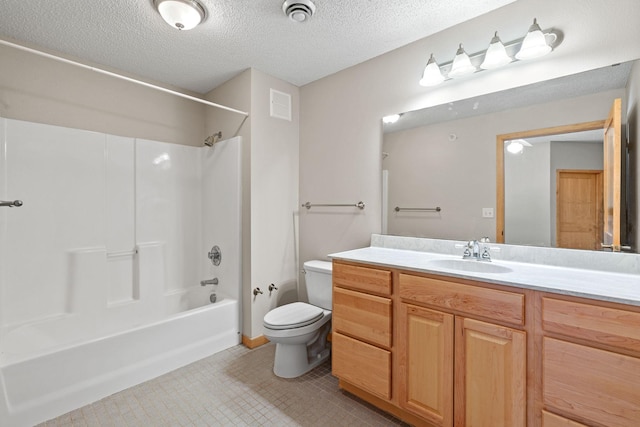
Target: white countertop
x,y
600,285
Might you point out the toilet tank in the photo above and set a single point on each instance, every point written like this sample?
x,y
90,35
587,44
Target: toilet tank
x,y
318,279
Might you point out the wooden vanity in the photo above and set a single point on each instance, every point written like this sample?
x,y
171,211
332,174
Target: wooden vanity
x,y
436,350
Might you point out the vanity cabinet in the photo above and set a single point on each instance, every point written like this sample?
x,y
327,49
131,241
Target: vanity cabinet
x,y
455,370
590,362
362,328
439,351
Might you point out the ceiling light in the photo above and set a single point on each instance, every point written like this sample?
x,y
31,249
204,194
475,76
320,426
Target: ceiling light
x,y
181,14
534,44
496,55
391,119
299,10
514,147
432,75
461,64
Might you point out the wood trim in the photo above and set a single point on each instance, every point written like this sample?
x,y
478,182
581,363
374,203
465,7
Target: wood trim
x,y
552,420
500,139
254,342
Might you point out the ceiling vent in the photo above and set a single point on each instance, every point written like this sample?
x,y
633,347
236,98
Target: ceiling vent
x,y
299,10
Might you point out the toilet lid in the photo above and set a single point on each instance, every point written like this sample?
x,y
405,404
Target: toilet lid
x,y
294,315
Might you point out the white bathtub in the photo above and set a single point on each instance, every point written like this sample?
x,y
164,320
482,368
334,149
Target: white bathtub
x,y
47,385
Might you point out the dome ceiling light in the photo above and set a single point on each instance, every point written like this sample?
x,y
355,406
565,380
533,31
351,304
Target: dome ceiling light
x,y
181,14
535,44
299,10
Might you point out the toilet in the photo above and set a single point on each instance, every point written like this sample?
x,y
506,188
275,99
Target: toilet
x,y
300,330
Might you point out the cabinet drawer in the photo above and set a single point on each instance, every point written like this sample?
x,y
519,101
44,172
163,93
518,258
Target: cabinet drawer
x,y
553,420
362,278
592,384
491,303
610,326
363,316
362,365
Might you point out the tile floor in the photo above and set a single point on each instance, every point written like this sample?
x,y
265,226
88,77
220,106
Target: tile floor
x,y
235,387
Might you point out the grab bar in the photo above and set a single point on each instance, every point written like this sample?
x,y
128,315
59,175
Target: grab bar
x,y
10,204
119,254
436,209
359,205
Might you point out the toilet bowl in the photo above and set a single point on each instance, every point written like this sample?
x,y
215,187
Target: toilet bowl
x,y
300,329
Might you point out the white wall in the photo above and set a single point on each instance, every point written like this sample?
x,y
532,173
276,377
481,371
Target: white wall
x,y
341,138
526,196
427,169
270,190
42,90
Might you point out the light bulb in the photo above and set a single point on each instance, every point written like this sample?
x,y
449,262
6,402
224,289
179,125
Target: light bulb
x,y
432,75
496,55
534,44
461,64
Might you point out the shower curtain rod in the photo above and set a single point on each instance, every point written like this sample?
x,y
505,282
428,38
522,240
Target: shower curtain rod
x,y
119,76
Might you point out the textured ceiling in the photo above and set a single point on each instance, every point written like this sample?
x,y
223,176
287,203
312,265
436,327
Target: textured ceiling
x,y
129,35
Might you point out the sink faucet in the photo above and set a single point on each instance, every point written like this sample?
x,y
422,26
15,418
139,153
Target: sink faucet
x,y
476,249
213,281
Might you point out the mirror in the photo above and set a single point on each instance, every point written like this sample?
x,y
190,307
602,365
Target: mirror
x,y
445,157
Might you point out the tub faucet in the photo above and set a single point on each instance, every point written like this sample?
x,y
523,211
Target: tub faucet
x,y
213,281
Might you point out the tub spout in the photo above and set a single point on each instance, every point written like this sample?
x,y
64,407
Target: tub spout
x,y
213,281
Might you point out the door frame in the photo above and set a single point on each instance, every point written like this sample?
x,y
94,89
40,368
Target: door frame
x,y
500,139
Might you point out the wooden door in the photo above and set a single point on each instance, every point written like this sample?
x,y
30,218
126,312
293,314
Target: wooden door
x,y
612,177
490,375
426,363
579,209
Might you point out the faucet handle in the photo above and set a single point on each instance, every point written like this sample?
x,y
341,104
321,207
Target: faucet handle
x,y
484,240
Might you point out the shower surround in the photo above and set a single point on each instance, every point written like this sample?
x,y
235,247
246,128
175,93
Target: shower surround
x,y
100,269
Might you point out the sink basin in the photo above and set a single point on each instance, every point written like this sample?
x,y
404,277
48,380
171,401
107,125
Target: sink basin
x,y
469,265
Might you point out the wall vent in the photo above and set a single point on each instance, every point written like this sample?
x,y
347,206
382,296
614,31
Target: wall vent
x,y
280,105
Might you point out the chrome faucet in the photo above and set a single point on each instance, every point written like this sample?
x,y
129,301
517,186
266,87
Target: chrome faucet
x,y
213,281
476,249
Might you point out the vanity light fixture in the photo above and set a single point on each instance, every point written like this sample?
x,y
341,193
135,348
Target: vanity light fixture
x,y
181,14
535,44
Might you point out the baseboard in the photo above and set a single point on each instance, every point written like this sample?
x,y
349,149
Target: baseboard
x,y
254,342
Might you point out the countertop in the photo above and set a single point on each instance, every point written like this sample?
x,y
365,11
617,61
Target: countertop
x,y
599,285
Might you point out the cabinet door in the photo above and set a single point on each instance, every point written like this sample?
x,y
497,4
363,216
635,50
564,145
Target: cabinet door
x,y
490,375
425,338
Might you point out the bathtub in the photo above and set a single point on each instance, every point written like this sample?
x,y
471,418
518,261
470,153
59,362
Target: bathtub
x,y
53,382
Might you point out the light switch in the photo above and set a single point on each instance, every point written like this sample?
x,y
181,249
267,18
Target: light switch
x,y
487,212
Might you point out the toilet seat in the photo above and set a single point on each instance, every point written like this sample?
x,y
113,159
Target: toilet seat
x,y
291,316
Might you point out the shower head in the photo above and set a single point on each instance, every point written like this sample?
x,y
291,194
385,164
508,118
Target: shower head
x,y
212,139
